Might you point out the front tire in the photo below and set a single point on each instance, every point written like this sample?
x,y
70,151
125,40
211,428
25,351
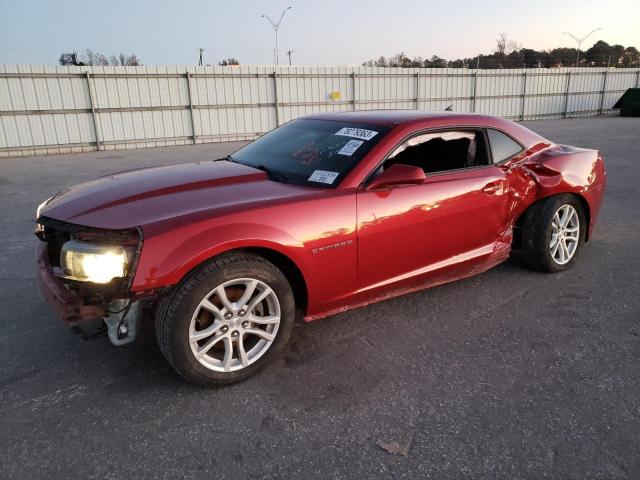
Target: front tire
x,y
226,319
554,233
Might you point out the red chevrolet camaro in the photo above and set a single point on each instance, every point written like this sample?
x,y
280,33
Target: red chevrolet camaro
x,y
323,214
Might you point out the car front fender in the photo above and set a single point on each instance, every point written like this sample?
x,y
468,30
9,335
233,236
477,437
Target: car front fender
x,y
167,258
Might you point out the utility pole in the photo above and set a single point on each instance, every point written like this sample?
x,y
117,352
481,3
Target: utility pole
x,y
289,52
200,62
579,41
276,26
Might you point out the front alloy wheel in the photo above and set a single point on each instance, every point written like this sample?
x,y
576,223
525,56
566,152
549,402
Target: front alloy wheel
x,y
226,319
234,325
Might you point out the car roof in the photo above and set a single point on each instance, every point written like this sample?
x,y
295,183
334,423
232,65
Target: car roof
x,y
396,117
426,119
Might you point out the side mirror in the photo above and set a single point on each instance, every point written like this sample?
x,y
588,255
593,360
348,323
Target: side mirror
x,y
398,174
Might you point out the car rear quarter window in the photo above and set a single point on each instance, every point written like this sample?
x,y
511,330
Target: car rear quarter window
x,y
503,147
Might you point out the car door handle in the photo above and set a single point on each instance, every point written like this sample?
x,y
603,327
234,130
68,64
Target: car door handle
x,y
492,188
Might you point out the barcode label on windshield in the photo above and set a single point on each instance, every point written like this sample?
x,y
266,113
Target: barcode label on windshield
x,y
360,133
350,147
323,176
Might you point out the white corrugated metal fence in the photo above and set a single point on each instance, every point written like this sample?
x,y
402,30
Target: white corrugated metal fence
x,y
68,109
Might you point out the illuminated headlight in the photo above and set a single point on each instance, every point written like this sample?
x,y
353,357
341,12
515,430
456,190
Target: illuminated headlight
x,y
92,262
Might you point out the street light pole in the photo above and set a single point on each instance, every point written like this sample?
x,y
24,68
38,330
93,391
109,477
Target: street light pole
x,y
276,26
579,42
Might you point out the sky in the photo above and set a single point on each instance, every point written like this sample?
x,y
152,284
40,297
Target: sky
x,y
326,32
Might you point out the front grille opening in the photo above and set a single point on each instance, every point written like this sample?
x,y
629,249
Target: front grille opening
x,y
55,239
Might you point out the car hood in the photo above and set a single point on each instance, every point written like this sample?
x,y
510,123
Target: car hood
x,y
142,197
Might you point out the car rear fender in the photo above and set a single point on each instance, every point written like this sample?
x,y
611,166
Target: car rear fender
x,y
580,168
566,169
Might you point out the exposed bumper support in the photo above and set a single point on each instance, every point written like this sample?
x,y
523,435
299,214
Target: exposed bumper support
x,y
65,302
124,324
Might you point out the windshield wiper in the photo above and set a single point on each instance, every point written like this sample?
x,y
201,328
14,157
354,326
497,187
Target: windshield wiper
x,y
228,158
272,174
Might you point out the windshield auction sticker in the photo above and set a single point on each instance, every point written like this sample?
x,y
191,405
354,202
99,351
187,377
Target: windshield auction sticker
x,y
323,176
360,133
350,147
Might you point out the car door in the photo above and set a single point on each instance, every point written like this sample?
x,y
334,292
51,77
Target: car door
x,y
409,235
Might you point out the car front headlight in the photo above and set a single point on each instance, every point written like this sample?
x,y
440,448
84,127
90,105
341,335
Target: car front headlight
x,y
91,262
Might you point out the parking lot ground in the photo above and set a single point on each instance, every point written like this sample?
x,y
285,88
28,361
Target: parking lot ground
x,y
510,374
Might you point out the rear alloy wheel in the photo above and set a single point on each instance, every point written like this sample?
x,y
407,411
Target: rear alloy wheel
x,y
565,234
226,320
553,233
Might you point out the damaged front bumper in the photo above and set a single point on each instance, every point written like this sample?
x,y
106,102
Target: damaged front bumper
x,y
67,303
122,316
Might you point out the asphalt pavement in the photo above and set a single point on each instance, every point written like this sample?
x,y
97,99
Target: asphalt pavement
x,y
510,374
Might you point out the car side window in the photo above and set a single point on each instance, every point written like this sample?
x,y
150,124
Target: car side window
x,y
503,147
442,151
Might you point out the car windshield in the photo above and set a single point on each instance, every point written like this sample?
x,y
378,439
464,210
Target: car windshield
x,y
311,152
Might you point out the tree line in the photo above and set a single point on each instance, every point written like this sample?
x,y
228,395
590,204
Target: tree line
x,y
91,58
510,54
507,54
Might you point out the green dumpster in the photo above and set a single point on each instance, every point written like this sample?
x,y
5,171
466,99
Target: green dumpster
x,y
629,103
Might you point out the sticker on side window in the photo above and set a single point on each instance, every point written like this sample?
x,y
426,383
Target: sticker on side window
x,y
360,133
350,147
323,176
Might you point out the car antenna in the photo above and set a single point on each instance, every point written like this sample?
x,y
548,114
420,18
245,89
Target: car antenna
x,y
449,108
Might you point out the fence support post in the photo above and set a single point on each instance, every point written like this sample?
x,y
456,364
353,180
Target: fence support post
x,y
566,95
604,89
638,79
93,110
417,90
353,89
275,94
475,90
193,123
524,94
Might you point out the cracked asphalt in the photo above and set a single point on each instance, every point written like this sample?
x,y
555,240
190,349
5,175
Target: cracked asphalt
x,y
510,374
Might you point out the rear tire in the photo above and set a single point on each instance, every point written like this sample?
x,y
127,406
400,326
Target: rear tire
x,y
553,233
226,319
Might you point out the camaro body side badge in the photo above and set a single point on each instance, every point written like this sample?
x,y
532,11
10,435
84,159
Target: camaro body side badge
x,y
332,246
